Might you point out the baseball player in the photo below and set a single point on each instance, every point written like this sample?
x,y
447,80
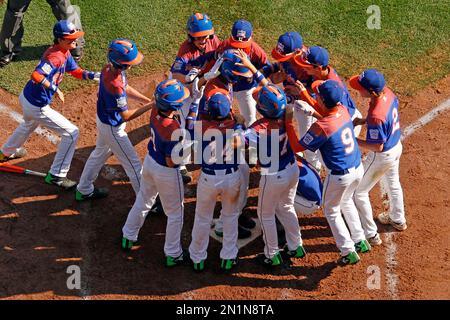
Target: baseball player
x,y
385,148
223,75
308,198
315,63
219,177
112,115
161,175
333,135
241,38
193,53
37,96
279,172
290,45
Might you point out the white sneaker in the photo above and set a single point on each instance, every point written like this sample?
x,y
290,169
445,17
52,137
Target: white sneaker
x,y
385,219
375,240
20,153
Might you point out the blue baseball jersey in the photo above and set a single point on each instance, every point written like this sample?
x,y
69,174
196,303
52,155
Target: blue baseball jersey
x,y
333,135
54,63
219,155
260,134
161,145
309,183
383,121
112,96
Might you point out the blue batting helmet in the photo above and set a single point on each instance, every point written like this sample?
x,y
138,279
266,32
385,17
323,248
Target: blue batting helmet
x,y
66,30
123,52
229,70
218,104
170,94
199,25
270,101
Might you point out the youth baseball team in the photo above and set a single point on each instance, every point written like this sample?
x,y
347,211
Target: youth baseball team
x,y
206,77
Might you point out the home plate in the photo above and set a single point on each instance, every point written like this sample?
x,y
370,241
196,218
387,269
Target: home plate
x,y
256,232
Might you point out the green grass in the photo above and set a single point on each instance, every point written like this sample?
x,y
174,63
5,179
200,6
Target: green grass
x,y
412,48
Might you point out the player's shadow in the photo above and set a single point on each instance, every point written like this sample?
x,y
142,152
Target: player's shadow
x,y
32,52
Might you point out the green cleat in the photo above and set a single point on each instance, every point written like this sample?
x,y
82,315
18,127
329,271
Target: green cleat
x,y
98,193
228,264
176,261
297,253
199,266
363,246
62,182
275,261
351,258
126,244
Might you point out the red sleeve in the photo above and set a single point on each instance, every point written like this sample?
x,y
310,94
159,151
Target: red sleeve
x,y
258,56
77,73
37,77
217,42
292,137
311,101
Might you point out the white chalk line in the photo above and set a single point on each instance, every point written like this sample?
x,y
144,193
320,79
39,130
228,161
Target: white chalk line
x,y
409,130
108,173
85,291
389,237
40,131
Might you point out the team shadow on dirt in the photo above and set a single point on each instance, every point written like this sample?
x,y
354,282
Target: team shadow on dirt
x,y
43,231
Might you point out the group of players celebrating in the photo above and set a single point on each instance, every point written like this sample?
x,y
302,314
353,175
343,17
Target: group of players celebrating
x,y
207,76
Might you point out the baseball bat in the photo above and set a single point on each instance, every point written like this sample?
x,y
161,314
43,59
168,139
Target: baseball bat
x,y
16,169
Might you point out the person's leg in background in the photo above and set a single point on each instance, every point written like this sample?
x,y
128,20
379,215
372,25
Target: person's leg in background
x,y
12,30
64,10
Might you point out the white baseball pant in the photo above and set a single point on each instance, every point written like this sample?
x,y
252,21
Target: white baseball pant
x,y
378,165
244,170
303,206
111,140
304,122
247,105
276,197
52,120
166,182
209,187
338,196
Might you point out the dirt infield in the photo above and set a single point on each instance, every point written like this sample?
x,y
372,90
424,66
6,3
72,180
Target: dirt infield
x,y
43,230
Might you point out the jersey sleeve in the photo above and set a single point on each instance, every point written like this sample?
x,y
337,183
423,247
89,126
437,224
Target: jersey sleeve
x,y
45,67
120,100
314,138
71,65
179,65
375,131
259,56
